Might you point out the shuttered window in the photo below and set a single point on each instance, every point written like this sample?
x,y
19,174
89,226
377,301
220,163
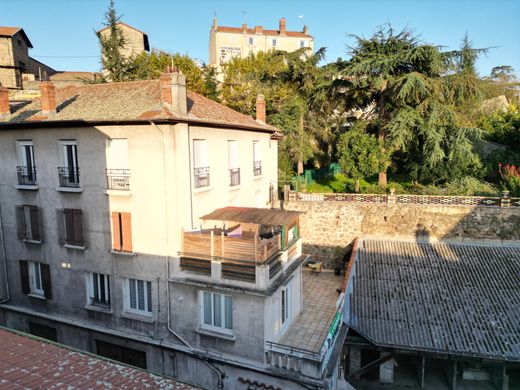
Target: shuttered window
x,y
122,232
35,278
73,227
29,223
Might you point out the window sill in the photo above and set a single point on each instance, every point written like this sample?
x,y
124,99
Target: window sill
x,y
234,188
69,189
258,177
216,334
77,247
138,317
114,252
118,192
28,241
37,296
28,187
99,309
202,189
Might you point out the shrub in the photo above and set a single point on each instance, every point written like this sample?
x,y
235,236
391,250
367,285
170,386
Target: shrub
x,y
510,178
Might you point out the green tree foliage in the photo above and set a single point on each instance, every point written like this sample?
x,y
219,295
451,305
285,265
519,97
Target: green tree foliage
x,y
503,127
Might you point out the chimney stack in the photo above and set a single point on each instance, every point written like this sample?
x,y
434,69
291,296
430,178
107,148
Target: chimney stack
x,y
48,98
5,111
244,28
260,108
259,29
282,26
215,24
173,93
305,29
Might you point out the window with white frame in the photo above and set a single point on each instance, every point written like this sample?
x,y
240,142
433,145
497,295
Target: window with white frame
x,y
257,158
251,41
201,169
233,163
69,170
35,278
139,297
303,44
285,301
274,42
216,311
98,290
26,167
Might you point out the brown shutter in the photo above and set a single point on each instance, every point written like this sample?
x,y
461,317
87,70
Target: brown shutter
x,y
78,227
20,223
116,232
46,280
24,276
69,226
126,227
34,212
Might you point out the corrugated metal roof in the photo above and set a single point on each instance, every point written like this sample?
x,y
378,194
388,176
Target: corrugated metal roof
x,y
271,217
446,298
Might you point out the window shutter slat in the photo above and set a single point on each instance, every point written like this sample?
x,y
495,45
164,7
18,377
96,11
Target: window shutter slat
x,y
46,280
78,227
20,223
24,276
35,222
126,227
69,226
116,232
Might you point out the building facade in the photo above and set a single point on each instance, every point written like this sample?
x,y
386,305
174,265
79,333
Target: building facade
x,y
228,42
14,56
136,41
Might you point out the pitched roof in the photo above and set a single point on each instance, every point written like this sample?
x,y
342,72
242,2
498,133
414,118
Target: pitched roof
x,y
445,298
11,31
122,24
127,101
238,30
26,362
271,217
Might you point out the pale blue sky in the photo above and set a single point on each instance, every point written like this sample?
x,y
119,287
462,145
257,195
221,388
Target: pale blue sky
x,y
65,28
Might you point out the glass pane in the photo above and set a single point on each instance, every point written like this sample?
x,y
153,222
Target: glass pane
x,y
140,295
228,306
207,308
95,285
217,310
37,276
149,296
131,285
283,306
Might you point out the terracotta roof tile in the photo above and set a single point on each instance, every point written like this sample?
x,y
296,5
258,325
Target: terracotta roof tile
x,y
9,31
238,30
27,363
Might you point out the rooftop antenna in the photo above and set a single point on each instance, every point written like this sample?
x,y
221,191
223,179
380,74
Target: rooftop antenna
x,y
244,16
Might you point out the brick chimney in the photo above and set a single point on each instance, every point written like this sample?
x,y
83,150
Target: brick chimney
x,y
215,24
48,98
260,108
259,29
173,93
5,111
281,29
305,29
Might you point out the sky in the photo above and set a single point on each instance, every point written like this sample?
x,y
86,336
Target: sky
x,y
62,31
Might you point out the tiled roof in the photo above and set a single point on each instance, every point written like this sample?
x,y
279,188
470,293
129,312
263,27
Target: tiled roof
x,y
135,100
72,75
10,31
238,30
28,363
444,298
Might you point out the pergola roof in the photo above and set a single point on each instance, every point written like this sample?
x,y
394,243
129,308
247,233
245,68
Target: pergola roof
x,y
457,299
271,217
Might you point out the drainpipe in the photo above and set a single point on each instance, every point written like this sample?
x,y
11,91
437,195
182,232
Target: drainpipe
x,y
4,257
220,374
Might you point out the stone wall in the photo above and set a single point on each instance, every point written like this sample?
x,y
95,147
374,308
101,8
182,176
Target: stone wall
x,y
328,228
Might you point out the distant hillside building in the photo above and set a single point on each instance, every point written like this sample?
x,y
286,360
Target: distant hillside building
x,y
136,41
228,42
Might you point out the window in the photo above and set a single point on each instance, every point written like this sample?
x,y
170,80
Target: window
x,y
122,232
69,172
26,169
121,354
233,164
35,278
216,311
73,227
118,174
274,42
303,44
98,290
200,163
286,304
251,41
43,331
139,297
227,53
29,223
257,158
292,234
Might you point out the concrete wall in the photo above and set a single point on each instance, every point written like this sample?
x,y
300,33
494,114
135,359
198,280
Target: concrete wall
x,y
327,225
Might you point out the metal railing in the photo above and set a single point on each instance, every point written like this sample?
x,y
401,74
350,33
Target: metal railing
x,y
201,177
100,302
234,177
257,168
118,179
293,351
26,175
68,176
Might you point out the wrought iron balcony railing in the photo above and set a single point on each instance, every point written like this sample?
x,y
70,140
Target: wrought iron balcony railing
x,y
257,168
118,179
201,177
234,175
68,176
26,175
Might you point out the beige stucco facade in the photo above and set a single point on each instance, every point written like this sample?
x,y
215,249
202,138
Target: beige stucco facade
x,y
135,41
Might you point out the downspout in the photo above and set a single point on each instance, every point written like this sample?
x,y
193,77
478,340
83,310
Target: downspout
x,y
220,374
189,174
4,257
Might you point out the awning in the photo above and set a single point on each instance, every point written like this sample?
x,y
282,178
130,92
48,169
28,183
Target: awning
x,y
271,217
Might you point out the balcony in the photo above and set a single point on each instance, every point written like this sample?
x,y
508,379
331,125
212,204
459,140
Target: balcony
x,y
68,177
26,176
118,179
201,177
257,168
102,303
234,177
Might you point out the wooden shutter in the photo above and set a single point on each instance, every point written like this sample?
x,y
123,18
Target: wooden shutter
x,y
20,223
69,226
46,280
116,232
24,276
78,226
34,212
126,230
